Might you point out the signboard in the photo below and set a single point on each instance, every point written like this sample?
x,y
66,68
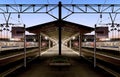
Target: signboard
x,y
17,32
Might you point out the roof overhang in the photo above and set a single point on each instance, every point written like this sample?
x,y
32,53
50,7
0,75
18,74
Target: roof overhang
x,y
68,29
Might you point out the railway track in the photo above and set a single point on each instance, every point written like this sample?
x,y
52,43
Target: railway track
x,y
13,62
13,59
106,58
89,53
106,62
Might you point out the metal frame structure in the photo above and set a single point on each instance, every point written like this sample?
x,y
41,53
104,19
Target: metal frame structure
x,y
71,8
82,8
47,8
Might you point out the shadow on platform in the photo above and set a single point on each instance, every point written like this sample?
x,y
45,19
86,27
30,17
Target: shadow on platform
x,y
79,68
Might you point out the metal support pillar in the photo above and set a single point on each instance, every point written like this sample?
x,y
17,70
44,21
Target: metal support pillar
x,y
80,44
59,27
70,44
60,42
95,48
39,43
113,24
24,48
49,44
7,25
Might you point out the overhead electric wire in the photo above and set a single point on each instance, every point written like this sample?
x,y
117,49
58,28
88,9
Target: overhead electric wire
x,y
100,17
19,17
102,11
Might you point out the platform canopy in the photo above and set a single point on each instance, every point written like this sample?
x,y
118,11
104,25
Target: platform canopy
x,y
51,29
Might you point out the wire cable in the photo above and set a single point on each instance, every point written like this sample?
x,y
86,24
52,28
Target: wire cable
x,y
100,17
20,20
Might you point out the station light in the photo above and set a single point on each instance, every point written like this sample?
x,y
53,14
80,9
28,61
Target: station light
x,y
46,37
73,38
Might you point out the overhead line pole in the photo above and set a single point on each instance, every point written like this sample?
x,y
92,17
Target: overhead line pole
x,y
95,47
25,61
59,26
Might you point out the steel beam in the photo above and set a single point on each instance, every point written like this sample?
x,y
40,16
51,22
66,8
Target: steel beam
x,y
47,8
43,8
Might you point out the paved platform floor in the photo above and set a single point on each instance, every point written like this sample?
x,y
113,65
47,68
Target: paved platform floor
x,y
54,51
78,68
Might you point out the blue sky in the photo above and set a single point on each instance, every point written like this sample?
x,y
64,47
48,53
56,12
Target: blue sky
x,y
34,19
40,18
56,1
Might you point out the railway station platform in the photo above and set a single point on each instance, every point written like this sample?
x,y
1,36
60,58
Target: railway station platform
x,y
78,68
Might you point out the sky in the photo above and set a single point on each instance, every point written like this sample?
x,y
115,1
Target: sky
x,y
34,19
56,1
